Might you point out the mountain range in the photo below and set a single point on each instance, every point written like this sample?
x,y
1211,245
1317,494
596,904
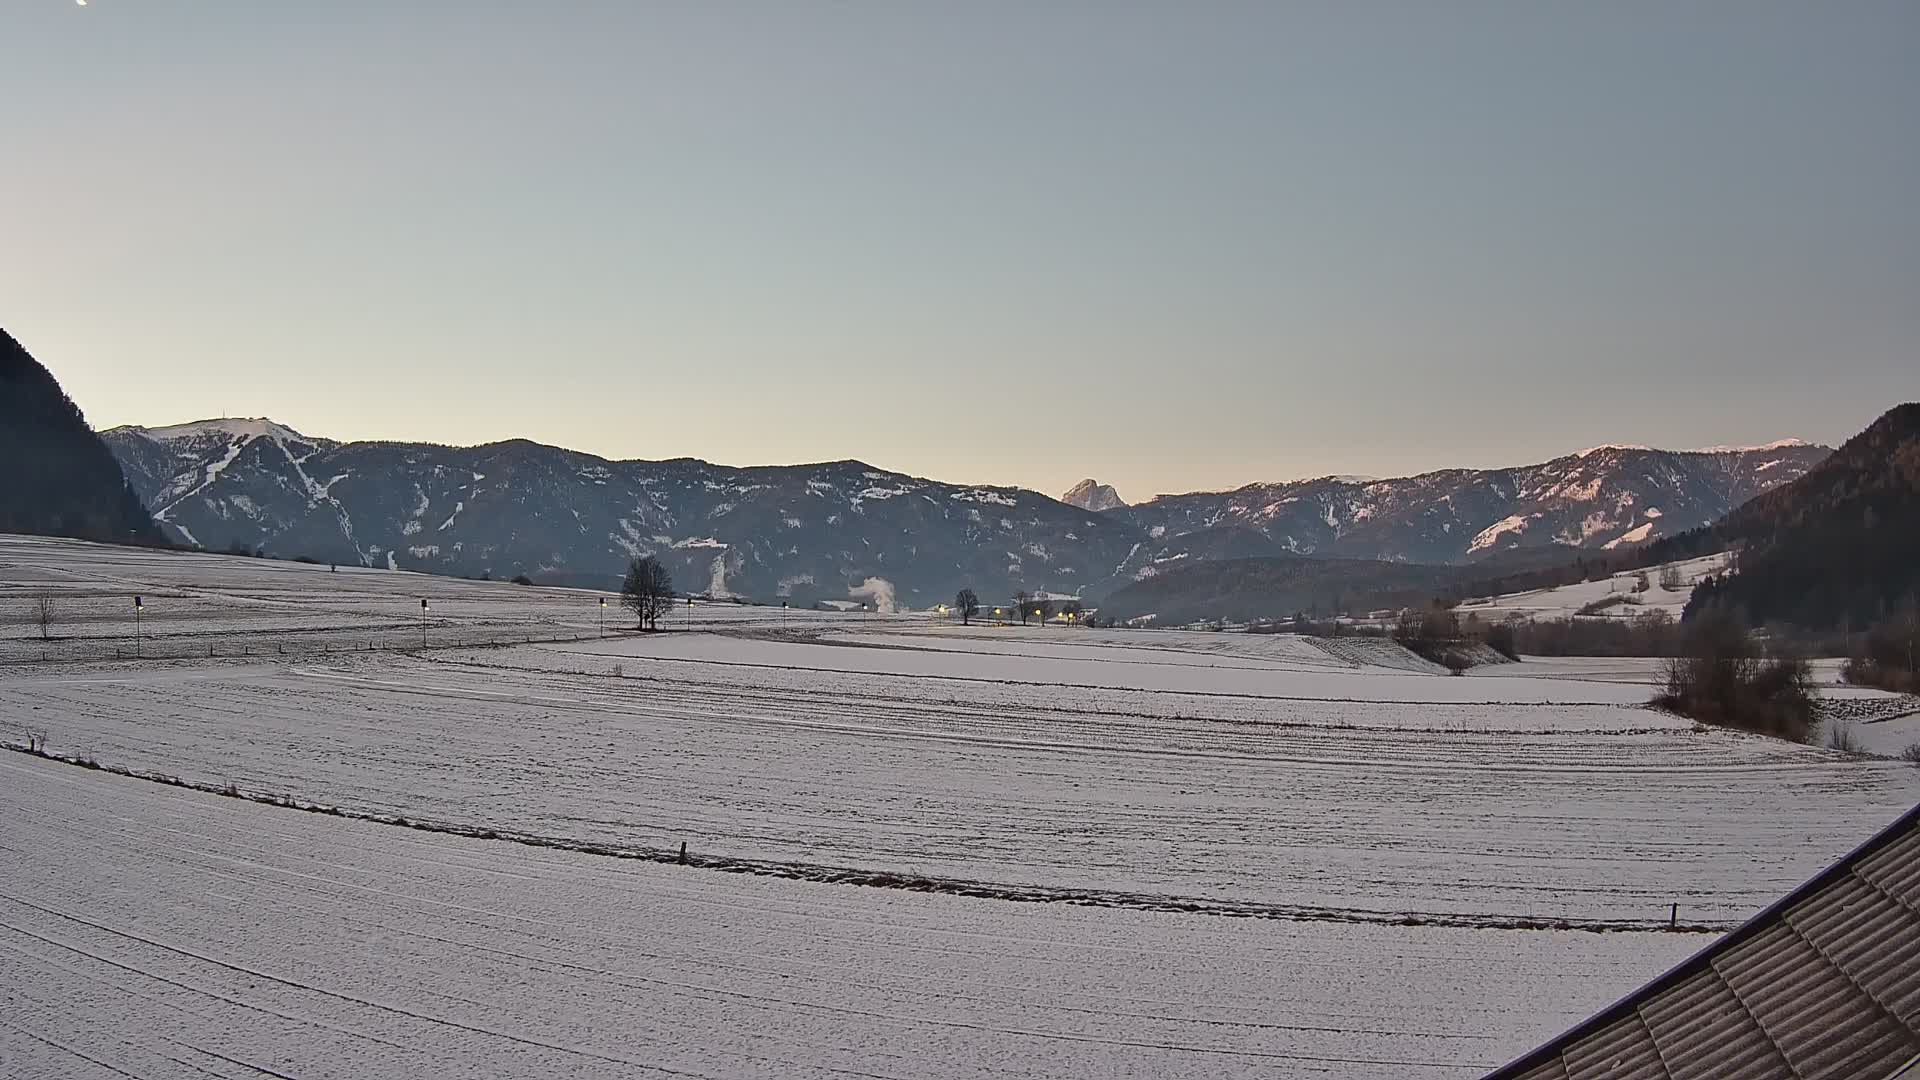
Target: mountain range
x,y
1605,497
802,532
811,532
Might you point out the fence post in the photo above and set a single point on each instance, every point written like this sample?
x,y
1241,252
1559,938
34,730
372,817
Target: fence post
x,y
1673,918
683,853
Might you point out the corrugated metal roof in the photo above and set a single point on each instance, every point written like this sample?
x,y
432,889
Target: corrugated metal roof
x,y
1823,985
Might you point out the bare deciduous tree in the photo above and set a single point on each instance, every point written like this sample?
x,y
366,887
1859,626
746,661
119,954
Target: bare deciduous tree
x,y
648,591
967,603
43,613
1670,578
1023,601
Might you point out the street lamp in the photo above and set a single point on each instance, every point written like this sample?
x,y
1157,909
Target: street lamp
x,y
603,617
423,622
689,614
137,605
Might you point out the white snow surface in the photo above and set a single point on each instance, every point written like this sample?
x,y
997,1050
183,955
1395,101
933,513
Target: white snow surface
x,y
239,428
1335,792
170,934
1565,601
1491,535
1777,444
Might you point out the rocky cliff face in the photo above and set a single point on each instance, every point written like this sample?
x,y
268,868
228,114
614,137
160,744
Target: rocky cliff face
x,y
1089,495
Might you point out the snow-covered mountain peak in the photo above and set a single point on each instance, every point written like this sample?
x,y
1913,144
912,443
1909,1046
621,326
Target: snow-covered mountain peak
x,y
1592,450
1777,444
242,428
1091,495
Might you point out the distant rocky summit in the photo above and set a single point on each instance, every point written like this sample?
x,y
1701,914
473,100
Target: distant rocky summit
x,y
1089,495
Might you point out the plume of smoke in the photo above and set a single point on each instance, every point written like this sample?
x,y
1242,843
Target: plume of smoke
x,y
878,590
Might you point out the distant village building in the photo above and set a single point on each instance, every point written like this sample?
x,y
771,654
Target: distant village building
x,y
1060,607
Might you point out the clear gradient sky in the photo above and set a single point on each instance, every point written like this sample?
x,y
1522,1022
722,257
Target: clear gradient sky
x,y
1174,245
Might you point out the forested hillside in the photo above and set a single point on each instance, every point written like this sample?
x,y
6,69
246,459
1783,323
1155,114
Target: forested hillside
x,y
56,477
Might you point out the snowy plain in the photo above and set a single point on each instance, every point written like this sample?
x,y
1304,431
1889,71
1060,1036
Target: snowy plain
x,y
151,932
1386,828
1566,601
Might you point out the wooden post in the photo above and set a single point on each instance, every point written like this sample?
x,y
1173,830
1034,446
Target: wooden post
x,y
1673,918
683,853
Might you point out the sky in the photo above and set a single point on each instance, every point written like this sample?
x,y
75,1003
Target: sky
x,y
1172,246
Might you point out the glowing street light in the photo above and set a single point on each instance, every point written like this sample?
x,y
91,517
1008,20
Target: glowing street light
x,y
137,605
423,622
603,617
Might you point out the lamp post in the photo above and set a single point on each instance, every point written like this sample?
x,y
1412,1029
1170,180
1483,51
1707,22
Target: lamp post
x,y
137,605
689,614
603,617
423,622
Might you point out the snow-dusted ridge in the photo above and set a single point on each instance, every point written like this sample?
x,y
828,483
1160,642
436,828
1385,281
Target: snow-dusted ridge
x,y
251,427
1777,444
254,482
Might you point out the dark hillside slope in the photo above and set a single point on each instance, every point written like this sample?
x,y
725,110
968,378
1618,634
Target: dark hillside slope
x,y
57,478
1840,546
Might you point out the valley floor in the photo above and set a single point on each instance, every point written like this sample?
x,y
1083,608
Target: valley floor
x,y
1432,874
153,932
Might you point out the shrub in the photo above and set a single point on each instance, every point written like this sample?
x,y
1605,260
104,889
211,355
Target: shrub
x,y
1911,755
1605,602
1650,633
1720,678
1455,662
522,579
1502,639
1428,633
1888,655
1840,736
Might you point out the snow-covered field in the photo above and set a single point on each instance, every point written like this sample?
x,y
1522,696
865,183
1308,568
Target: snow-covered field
x,y
155,933
1566,601
199,605
1386,827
